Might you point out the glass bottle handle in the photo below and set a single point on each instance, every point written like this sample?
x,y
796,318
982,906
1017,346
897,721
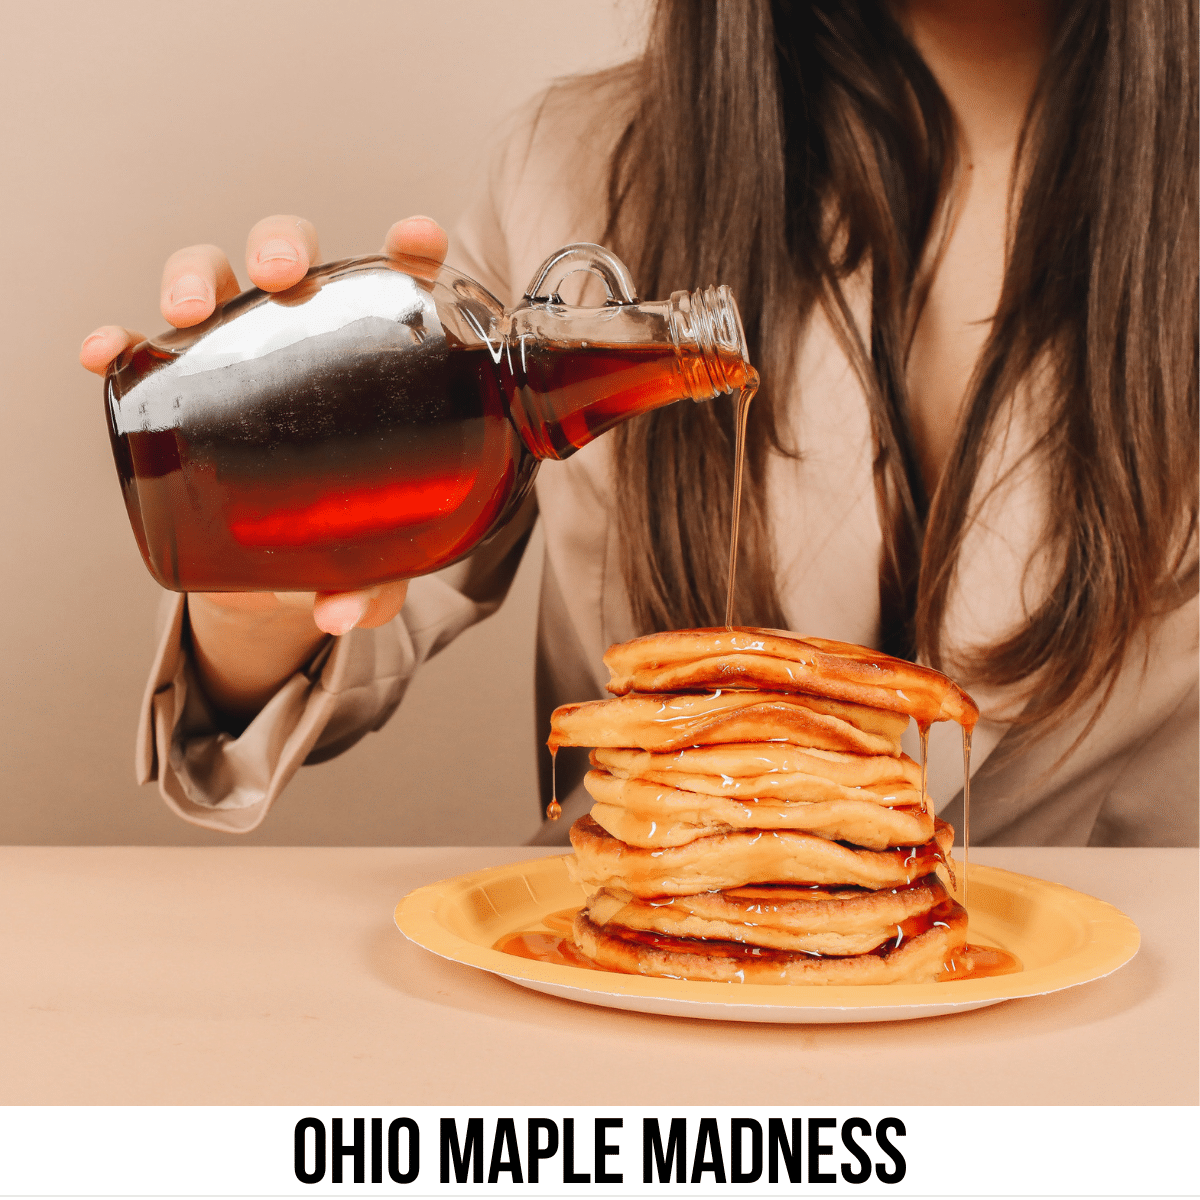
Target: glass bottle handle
x,y
582,256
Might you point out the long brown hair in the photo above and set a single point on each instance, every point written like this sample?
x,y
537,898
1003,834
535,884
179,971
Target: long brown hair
x,y
792,143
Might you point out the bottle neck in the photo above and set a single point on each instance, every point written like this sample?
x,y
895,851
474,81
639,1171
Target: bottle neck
x,y
706,329
571,374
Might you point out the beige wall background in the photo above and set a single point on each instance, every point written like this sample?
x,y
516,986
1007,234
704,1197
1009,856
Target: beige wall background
x,y
129,130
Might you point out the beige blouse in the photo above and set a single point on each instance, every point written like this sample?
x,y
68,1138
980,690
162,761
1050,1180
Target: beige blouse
x,y
1132,781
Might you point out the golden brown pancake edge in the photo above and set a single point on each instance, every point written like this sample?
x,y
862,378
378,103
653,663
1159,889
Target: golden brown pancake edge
x,y
651,815
772,660
919,959
680,721
852,923
722,861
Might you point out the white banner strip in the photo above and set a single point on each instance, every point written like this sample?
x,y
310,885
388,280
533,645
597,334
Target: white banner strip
x,y
629,1152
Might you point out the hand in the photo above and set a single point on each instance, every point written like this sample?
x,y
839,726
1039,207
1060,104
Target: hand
x,y
248,643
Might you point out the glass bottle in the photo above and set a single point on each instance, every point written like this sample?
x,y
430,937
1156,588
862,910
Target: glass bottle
x,y
384,416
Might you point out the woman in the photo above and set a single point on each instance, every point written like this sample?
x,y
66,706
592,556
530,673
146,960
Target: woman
x,y
963,238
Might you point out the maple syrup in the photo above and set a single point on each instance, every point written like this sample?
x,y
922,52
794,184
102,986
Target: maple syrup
x,y
375,467
383,417
564,395
740,416
555,946
553,809
979,962
549,946
923,731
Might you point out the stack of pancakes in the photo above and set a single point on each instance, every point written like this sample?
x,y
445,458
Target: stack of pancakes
x,y
755,818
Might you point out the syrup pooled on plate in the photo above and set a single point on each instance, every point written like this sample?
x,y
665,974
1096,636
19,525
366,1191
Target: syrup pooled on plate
x,y
979,962
554,946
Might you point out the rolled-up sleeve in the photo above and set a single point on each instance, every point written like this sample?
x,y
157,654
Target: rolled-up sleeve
x,y
351,687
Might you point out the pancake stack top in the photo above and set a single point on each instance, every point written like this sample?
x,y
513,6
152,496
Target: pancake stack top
x,y
755,818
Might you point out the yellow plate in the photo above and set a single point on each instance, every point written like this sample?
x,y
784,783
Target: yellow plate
x,y
1062,937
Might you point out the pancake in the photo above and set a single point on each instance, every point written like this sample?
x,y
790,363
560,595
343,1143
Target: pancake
x,y
729,860
676,722
653,815
754,818
814,920
774,661
773,770
915,959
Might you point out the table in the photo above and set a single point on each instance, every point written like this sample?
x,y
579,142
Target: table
x,y
258,975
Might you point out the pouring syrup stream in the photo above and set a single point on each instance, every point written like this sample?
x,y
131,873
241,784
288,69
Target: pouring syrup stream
x,y
740,414
923,729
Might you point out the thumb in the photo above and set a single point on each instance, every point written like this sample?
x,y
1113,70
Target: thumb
x,y
339,612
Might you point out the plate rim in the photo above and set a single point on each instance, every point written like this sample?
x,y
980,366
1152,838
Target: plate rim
x,y
416,918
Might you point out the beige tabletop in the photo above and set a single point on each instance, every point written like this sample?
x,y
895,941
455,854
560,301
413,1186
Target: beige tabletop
x,y
251,975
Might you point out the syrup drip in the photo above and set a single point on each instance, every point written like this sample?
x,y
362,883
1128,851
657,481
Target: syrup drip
x,y
741,413
553,809
966,743
979,962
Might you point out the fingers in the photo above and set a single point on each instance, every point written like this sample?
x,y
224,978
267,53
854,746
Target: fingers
x,y
280,250
339,612
420,237
194,281
104,344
